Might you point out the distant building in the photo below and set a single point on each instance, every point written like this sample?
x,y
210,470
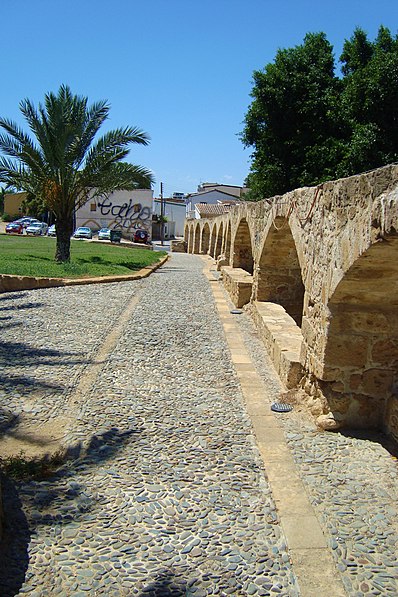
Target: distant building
x,y
211,210
212,194
234,190
127,211
174,211
13,204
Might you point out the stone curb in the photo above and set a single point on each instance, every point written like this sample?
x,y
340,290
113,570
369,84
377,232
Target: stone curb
x,y
10,283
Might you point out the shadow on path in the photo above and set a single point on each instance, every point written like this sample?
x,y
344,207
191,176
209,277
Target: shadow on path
x,y
165,584
52,501
14,558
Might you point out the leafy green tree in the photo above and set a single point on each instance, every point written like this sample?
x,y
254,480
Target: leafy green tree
x,y
65,165
307,125
370,100
293,122
356,52
33,206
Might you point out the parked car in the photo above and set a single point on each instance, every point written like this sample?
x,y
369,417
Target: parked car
x,y
140,236
104,234
26,221
37,228
51,231
14,228
83,232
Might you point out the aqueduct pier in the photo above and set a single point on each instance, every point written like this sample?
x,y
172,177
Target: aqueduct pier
x,y
318,270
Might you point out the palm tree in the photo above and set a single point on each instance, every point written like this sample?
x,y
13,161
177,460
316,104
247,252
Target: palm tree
x,y
64,165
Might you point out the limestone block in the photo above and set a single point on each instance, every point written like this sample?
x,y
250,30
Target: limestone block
x,y
283,339
385,352
377,382
345,349
238,284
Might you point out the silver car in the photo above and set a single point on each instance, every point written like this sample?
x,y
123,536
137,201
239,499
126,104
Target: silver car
x,y
104,234
83,232
37,228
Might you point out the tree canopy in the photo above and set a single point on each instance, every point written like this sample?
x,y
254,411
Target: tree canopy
x,y
65,164
307,125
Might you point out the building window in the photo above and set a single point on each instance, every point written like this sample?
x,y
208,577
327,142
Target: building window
x,y
93,207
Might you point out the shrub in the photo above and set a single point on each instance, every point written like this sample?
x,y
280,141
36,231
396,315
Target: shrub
x,y
9,218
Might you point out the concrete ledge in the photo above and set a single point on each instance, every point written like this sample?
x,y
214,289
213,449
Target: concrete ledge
x,y
10,283
238,283
283,339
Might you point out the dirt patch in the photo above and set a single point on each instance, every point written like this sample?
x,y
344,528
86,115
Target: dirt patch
x,y
33,440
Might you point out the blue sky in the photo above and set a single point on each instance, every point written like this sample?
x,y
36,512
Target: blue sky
x,y
179,69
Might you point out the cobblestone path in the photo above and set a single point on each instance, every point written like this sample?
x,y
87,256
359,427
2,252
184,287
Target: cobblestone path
x,y
166,493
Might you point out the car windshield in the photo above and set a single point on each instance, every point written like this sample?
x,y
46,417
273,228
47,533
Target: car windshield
x,y
84,229
35,225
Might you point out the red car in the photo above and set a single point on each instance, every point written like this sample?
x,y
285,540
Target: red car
x,y
140,236
14,228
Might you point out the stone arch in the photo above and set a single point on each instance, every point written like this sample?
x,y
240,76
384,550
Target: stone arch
x,y
196,244
242,248
360,364
279,278
205,244
190,238
218,246
213,240
227,243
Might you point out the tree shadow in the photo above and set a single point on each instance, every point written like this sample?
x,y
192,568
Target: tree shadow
x,y
11,352
14,558
12,296
11,324
26,385
131,265
53,504
22,307
166,584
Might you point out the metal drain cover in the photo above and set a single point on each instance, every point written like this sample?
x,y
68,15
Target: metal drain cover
x,y
236,311
279,407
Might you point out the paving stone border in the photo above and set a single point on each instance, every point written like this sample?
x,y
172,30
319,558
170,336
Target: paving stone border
x,y
10,283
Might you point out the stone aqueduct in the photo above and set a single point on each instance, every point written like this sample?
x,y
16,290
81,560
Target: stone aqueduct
x,y
317,268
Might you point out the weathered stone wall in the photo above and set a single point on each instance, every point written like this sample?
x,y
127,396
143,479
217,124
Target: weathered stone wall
x,y
178,246
328,255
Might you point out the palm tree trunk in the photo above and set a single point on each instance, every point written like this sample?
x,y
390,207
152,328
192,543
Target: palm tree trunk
x,y
64,230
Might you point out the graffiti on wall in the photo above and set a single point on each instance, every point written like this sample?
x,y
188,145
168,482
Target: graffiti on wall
x,y
129,216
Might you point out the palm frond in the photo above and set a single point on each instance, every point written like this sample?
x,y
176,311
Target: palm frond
x,y
10,146
14,131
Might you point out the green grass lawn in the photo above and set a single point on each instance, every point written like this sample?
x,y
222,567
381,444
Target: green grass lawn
x,y
34,256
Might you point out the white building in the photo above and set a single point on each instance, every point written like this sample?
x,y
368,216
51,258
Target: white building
x,y
230,189
210,197
174,211
124,210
